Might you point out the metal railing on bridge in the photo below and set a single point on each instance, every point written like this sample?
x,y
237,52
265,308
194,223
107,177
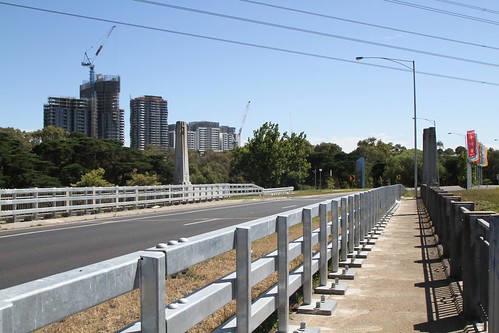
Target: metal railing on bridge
x,y
37,203
470,239
38,303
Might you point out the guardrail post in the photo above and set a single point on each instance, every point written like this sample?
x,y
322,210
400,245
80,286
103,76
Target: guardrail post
x,y
456,241
307,256
344,230
335,253
6,325
494,274
323,244
35,196
356,218
243,276
14,207
283,273
363,215
152,292
471,265
351,224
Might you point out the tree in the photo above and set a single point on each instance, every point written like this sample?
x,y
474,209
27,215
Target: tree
x,y
142,179
19,168
93,178
270,160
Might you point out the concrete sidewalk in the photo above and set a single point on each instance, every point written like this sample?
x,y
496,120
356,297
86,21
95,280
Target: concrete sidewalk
x,y
401,287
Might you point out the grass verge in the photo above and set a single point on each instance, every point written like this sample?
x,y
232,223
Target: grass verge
x,y
484,199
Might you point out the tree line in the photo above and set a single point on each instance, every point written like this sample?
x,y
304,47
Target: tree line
x,y
54,158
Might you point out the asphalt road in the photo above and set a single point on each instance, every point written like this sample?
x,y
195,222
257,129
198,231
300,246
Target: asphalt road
x,y
33,253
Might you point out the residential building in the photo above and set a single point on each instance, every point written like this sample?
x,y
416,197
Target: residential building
x,y
69,113
207,135
149,122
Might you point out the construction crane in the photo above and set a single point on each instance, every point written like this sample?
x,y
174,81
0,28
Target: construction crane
x,y
89,62
238,138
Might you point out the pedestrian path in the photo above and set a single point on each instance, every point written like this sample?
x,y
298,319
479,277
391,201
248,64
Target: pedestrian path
x,y
402,285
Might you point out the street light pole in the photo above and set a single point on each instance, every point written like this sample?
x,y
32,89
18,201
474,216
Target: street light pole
x,y
413,69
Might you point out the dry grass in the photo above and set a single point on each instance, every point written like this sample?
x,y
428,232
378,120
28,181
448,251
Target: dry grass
x,y
124,310
486,199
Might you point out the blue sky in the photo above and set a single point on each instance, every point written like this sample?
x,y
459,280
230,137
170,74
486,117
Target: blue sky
x,y
327,94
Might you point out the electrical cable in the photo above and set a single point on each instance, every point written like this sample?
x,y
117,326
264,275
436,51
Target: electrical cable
x,y
323,34
314,55
372,25
445,12
455,3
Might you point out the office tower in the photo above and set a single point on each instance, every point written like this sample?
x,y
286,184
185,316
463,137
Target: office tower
x,y
69,113
109,120
148,122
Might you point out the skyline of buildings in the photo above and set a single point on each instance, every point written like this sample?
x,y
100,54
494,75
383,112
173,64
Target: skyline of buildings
x,y
97,113
206,135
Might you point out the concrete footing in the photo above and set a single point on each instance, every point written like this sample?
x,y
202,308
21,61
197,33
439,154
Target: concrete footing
x,y
332,288
318,307
343,274
354,263
298,329
364,247
358,254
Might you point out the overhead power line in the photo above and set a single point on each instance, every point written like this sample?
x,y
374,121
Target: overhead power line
x,y
445,12
271,48
455,3
372,25
313,32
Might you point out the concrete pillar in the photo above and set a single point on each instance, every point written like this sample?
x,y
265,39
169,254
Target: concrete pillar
x,y
181,174
430,157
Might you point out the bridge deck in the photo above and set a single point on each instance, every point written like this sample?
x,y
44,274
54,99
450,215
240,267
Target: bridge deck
x,y
402,285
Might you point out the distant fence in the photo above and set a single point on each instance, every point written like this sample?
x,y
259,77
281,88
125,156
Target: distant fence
x,y
36,203
470,240
346,221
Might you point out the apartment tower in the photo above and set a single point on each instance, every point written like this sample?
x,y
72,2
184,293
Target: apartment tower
x,y
148,122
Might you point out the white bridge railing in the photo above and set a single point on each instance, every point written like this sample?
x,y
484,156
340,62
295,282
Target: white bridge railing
x,y
37,203
344,223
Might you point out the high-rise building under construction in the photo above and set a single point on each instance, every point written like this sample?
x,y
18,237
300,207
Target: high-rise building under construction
x,y
148,122
109,120
69,113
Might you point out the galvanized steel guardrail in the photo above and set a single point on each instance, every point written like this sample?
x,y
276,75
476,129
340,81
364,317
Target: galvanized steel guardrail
x,y
38,303
470,240
36,203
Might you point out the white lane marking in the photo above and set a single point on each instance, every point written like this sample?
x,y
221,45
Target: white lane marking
x,y
204,221
50,230
289,206
131,219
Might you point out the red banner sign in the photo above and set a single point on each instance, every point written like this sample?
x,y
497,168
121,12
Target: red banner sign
x,y
471,140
